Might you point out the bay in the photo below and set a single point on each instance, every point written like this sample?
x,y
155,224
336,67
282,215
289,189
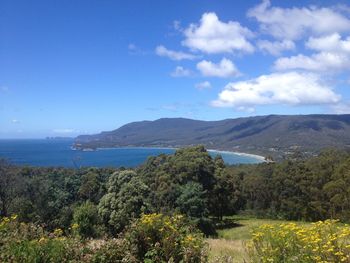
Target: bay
x,y
52,152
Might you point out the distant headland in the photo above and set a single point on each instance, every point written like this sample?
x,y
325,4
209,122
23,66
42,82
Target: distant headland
x,y
272,135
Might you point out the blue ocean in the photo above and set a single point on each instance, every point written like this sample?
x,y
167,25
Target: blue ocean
x,y
52,152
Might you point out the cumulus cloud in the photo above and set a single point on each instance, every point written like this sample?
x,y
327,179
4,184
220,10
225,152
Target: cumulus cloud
x,y
181,72
290,88
294,23
333,55
225,68
329,43
203,85
174,55
275,47
214,36
324,61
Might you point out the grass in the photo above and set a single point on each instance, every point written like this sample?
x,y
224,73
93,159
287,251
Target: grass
x,y
230,241
231,249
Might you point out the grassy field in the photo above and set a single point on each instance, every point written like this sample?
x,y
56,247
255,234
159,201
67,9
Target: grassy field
x,y
230,241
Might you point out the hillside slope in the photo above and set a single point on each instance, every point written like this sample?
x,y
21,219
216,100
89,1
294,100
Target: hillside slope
x,y
273,134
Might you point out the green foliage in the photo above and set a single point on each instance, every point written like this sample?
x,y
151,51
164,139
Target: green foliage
x,y
85,218
20,242
153,238
182,182
126,199
301,189
11,184
91,187
159,238
225,197
112,251
321,242
192,200
190,182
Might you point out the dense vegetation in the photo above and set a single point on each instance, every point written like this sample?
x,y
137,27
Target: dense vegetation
x,y
190,182
276,135
324,241
153,238
109,202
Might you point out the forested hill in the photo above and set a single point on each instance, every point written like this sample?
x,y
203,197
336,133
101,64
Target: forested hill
x,y
274,134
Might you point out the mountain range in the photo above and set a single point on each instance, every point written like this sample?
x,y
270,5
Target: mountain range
x,y
275,135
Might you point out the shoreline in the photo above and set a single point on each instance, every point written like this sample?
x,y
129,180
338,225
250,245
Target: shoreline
x,y
255,156
250,155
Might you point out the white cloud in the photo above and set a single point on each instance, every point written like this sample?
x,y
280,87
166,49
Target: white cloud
x,y
334,55
174,55
330,43
279,88
246,109
214,36
225,68
324,61
203,85
15,121
135,50
294,23
177,25
341,108
275,48
181,72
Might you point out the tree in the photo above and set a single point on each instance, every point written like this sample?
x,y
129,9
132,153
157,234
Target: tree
x,y
85,216
193,200
11,185
126,199
225,197
90,187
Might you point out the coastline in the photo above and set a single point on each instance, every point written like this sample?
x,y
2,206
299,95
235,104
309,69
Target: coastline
x,y
254,156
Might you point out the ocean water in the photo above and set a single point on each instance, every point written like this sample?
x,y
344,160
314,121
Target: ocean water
x,y
42,152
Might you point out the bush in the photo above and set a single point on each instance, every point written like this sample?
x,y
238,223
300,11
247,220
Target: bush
x,y
160,238
152,238
85,219
112,251
324,241
20,242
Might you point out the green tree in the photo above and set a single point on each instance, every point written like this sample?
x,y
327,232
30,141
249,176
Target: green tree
x,y
86,217
126,199
11,186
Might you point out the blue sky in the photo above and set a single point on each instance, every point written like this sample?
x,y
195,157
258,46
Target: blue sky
x,y
74,67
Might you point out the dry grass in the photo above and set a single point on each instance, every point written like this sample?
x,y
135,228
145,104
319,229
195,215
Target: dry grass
x,y
226,251
229,246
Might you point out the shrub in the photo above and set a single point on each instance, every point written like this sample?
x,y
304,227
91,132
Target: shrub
x,y
112,251
160,238
150,239
20,242
85,219
324,241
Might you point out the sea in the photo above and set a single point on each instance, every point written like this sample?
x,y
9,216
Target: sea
x,y
59,153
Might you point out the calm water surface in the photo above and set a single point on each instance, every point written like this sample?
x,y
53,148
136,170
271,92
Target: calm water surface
x,y
44,152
